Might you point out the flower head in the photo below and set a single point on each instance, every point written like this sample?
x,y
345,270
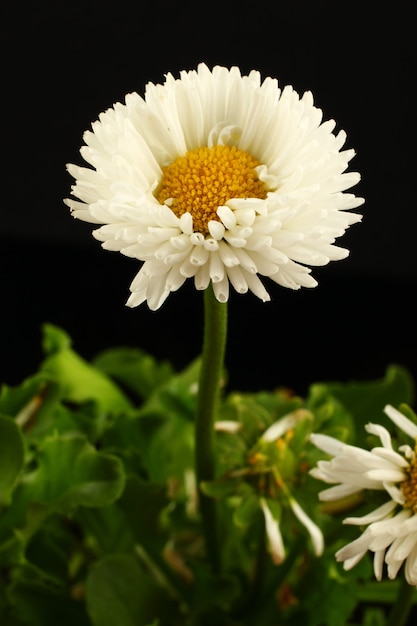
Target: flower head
x,y
217,177
391,532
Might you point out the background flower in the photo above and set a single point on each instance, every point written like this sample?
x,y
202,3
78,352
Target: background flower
x,y
217,177
391,532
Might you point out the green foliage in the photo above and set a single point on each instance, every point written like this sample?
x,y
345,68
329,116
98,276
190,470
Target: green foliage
x,y
71,472
132,596
134,369
365,400
12,453
99,519
79,381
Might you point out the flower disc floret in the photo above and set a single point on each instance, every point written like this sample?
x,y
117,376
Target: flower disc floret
x,y
217,177
206,178
409,486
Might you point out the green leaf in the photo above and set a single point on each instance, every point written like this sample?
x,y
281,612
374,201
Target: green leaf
x,y
134,369
214,592
52,549
142,503
222,487
331,417
106,528
54,339
171,451
119,592
340,594
177,397
247,511
37,602
24,397
38,409
12,456
79,381
72,473
365,400
374,616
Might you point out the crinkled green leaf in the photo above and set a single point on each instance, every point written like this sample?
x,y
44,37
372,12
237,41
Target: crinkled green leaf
x,y
365,400
340,596
38,407
35,601
5,618
160,432
23,397
80,381
106,528
222,487
54,339
51,548
134,369
247,511
178,396
72,472
374,616
12,456
142,503
119,592
11,550
213,592
171,451
331,417
40,411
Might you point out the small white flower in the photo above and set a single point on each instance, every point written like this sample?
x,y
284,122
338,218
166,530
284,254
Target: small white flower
x,y
314,531
391,532
227,426
275,433
273,534
217,177
279,428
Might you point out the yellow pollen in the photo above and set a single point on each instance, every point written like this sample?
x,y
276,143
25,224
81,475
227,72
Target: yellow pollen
x,y
206,178
409,486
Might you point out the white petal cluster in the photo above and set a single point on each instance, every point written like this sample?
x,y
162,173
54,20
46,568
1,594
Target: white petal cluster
x,y
391,529
303,167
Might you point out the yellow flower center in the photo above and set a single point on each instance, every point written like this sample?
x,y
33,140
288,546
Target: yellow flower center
x,y
409,486
206,178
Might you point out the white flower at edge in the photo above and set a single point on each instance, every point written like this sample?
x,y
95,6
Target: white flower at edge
x,y
391,529
217,177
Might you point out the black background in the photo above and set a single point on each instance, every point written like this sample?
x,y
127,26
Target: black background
x,y
62,63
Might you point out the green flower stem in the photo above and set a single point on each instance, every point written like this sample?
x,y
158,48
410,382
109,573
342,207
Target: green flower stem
x,y
404,601
214,346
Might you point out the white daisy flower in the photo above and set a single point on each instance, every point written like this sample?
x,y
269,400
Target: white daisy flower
x,y
391,532
217,177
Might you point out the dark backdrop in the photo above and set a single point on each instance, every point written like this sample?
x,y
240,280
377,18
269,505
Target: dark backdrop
x,y
63,62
